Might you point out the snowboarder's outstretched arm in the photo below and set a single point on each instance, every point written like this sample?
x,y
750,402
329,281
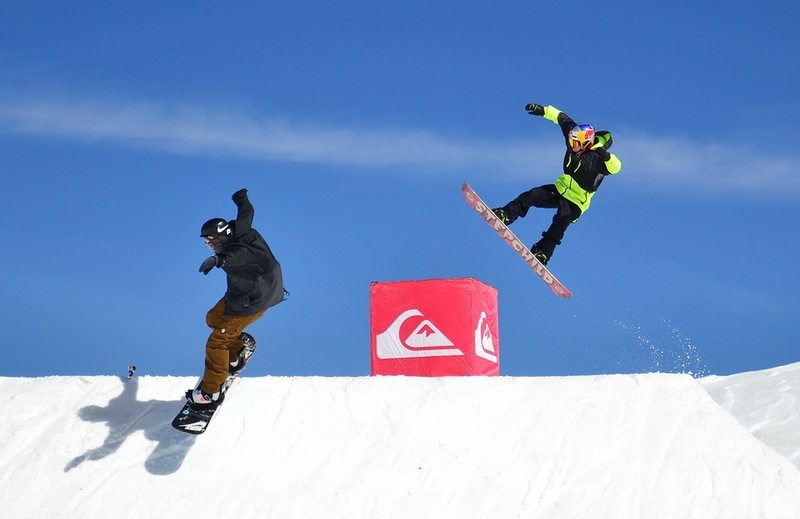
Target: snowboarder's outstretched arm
x,y
552,113
603,139
244,217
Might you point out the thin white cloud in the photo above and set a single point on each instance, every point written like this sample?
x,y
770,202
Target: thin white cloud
x,y
651,162
681,163
192,131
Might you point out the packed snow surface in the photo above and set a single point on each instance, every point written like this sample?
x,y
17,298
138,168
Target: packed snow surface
x,y
613,446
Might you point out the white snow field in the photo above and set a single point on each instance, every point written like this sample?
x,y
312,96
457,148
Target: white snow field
x,y
615,446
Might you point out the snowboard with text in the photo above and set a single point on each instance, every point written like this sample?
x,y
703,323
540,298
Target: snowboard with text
x,y
480,207
193,418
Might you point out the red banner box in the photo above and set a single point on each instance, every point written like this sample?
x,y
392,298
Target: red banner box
x,y
434,328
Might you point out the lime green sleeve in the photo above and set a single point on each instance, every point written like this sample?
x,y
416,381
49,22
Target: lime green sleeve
x,y
613,164
551,113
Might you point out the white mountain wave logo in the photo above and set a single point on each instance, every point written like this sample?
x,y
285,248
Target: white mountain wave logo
x,y
484,342
426,340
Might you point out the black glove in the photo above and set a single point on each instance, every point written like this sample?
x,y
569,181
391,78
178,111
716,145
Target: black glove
x,y
603,153
535,109
240,193
210,263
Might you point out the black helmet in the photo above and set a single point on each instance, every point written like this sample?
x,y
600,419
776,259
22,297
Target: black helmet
x,y
216,232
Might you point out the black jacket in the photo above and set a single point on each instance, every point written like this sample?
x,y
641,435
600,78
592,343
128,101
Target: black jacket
x,y
583,173
255,281
588,169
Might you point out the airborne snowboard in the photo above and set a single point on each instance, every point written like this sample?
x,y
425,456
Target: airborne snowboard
x,y
480,207
193,418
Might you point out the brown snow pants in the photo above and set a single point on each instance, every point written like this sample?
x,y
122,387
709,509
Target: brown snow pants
x,y
223,345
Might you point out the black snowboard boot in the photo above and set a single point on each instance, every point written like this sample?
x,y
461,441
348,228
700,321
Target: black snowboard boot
x,y
248,347
504,216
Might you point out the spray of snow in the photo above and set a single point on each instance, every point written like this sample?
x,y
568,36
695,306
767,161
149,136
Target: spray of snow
x,y
657,345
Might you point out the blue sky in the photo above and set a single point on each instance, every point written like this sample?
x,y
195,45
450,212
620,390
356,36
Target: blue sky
x,y
124,127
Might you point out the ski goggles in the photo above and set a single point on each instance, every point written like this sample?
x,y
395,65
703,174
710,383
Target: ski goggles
x,y
581,137
212,242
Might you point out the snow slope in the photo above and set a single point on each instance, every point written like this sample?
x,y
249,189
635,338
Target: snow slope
x,y
617,446
767,403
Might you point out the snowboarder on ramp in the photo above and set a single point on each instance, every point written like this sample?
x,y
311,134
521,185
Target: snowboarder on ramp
x,y
255,283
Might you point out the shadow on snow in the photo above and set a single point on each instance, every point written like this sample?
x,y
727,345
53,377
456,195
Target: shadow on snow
x,y
124,415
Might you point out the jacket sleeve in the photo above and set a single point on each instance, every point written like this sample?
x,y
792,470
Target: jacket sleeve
x,y
613,164
244,216
564,121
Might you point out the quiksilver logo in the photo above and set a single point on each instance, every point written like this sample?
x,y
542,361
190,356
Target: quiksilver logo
x,y
484,342
426,340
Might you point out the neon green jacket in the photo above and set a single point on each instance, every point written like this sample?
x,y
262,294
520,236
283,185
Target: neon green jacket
x,y
582,173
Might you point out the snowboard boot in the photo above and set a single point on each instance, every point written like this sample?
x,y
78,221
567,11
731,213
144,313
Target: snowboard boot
x,y
540,255
543,249
503,216
198,397
248,347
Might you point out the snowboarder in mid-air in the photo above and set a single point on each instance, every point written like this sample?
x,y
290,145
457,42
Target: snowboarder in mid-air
x,y
586,163
255,283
